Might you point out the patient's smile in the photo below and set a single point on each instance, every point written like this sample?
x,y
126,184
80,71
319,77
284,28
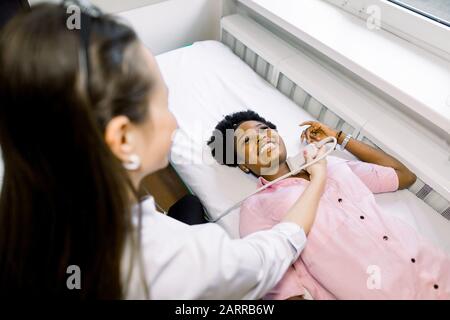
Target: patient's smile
x,y
267,146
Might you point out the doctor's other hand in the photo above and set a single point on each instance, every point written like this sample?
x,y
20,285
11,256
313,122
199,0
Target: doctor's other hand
x,y
319,169
316,132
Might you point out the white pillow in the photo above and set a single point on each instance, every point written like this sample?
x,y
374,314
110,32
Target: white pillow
x,y
206,82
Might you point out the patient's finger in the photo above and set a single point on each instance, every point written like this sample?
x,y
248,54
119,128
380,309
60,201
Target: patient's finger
x,y
305,136
313,135
308,138
306,123
317,137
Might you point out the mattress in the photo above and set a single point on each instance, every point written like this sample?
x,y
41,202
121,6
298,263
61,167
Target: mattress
x,y
208,81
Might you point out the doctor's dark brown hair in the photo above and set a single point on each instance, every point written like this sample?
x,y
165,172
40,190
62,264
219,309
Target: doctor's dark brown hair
x,y
66,197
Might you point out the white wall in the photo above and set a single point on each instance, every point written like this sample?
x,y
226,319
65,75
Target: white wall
x,y
122,5
112,5
176,23
164,25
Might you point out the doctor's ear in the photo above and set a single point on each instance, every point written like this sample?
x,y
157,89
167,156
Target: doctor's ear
x,y
119,136
244,168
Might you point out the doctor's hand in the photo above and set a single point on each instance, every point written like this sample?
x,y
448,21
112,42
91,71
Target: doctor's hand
x,y
319,169
303,212
316,132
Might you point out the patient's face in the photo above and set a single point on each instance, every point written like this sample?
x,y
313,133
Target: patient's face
x,y
259,148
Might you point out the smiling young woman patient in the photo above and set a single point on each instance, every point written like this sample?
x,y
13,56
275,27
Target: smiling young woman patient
x,y
354,249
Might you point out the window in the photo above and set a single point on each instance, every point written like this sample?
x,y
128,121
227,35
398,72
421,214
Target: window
x,y
437,10
425,23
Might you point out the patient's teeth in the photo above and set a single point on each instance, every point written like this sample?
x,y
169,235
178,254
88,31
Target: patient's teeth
x,y
267,146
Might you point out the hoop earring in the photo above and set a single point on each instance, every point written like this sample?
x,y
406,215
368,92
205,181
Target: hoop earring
x,y
133,163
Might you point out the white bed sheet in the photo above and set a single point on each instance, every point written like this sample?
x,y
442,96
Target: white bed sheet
x,y
206,82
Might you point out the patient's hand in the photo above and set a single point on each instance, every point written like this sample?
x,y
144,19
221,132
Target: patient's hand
x,y
316,132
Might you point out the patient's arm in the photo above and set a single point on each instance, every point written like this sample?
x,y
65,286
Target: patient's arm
x,y
367,153
318,131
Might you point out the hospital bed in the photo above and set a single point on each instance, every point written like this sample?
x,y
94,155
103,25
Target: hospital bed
x,y
210,79
257,66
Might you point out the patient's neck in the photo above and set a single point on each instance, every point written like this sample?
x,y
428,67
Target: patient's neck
x,y
284,169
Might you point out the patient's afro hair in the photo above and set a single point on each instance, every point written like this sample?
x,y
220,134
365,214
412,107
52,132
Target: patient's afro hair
x,y
232,122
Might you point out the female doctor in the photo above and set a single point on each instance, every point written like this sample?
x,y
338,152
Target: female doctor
x,y
83,118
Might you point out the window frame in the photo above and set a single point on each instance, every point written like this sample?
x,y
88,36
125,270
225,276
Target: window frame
x,y
405,23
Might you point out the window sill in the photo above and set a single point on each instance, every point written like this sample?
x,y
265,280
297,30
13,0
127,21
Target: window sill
x,y
411,75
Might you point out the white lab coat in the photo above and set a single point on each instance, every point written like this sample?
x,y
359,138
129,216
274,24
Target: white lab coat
x,y
202,262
